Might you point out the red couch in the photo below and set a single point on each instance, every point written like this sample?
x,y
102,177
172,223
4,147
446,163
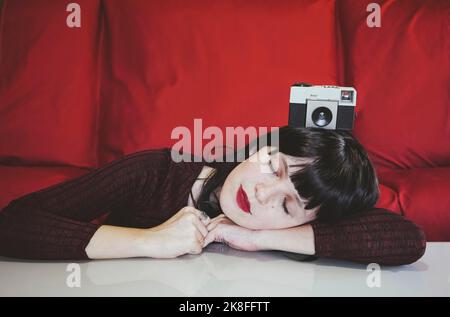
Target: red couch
x,y
72,99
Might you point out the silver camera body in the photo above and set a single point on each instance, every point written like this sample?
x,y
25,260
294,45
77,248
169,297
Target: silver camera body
x,y
327,107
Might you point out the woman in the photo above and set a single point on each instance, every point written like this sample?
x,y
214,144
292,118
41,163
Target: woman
x,y
317,200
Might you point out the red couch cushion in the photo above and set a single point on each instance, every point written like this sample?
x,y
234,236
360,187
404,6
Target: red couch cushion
x,y
401,71
16,181
230,63
389,199
423,195
48,83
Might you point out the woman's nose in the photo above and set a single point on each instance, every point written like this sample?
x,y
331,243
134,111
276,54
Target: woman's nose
x,y
265,193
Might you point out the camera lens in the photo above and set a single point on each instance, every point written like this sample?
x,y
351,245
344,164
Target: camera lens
x,y
322,116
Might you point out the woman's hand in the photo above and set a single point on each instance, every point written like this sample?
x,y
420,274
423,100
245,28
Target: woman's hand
x,y
183,233
222,229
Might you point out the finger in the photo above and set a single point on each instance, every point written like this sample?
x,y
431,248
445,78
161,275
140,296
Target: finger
x,y
209,238
201,215
219,217
200,227
200,238
214,223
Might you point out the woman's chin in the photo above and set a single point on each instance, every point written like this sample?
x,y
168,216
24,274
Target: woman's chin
x,y
262,226
253,224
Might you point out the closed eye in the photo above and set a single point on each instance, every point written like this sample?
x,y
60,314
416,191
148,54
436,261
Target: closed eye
x,y
284,206
276,173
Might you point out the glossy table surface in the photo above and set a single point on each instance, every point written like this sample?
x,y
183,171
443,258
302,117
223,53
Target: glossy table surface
x,y
221,271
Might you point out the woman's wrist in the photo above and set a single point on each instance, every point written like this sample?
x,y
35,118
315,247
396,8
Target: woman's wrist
x,y
149,243
111,242
297,239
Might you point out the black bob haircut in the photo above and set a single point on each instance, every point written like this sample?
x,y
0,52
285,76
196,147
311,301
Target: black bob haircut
x,y
340,178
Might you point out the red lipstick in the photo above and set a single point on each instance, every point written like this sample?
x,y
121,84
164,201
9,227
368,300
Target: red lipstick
x,y
242,200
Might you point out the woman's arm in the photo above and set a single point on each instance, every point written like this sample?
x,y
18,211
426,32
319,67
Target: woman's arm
x,y
29,232
296,240
183,233
112,242
377,236
55,222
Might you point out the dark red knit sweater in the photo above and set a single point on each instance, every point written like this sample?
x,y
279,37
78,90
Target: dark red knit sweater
x,y
145,188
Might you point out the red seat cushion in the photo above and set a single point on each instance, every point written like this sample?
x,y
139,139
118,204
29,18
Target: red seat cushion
x,y
16,181
401,71
48,83
423,195
230,63
388,199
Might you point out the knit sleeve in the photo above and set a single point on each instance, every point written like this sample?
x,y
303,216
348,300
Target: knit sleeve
x,y
28,232
55,223
376,236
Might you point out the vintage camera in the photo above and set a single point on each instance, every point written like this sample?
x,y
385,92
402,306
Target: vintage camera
x,y
327,107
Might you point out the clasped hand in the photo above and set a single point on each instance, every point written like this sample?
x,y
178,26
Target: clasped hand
x,y
190,230
222,229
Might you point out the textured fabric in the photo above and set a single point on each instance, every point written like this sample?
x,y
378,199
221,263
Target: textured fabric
x,y
361,239
144,189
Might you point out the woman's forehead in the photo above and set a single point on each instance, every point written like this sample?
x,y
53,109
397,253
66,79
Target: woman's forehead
x,y
291,160
294,163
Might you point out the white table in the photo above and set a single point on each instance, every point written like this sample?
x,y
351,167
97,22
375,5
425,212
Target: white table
x,y
221,271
